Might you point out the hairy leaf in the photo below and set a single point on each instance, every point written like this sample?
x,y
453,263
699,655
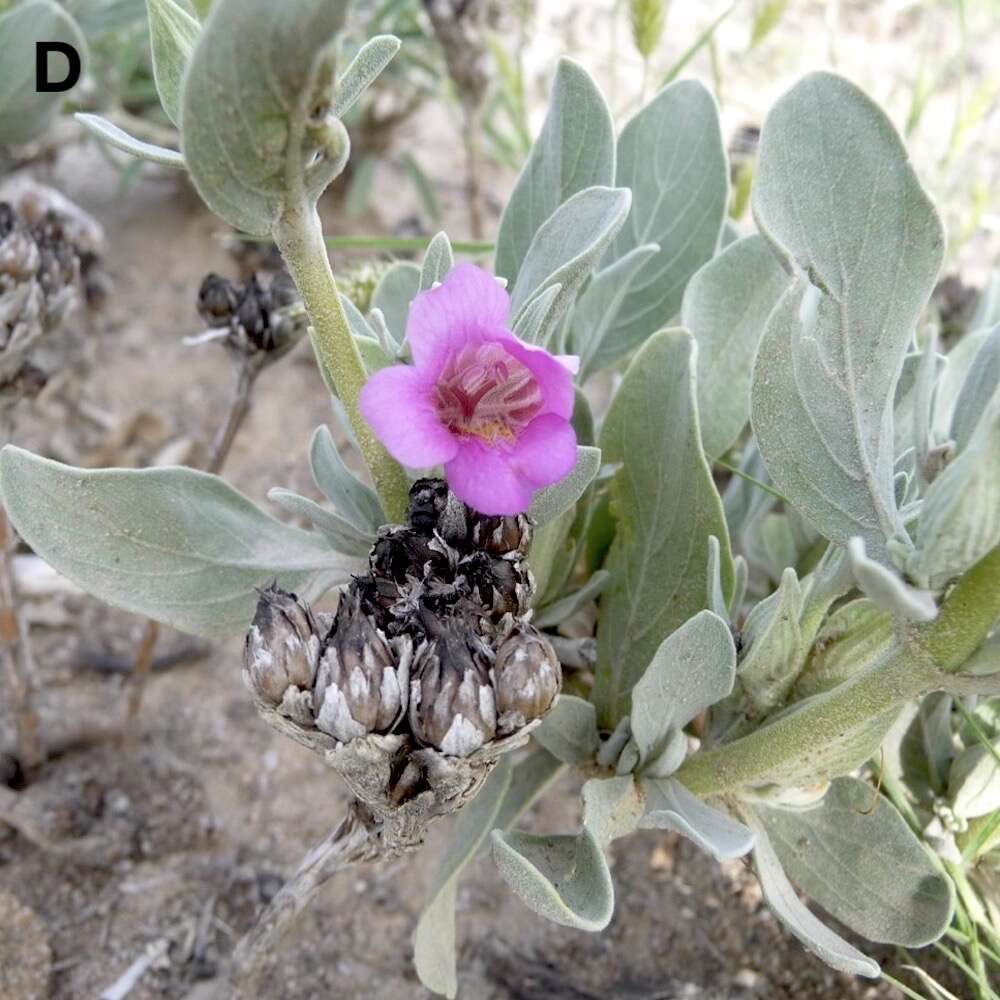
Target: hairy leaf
x,y
173,34
836,196
693,668
25,112
670,806
575,150
569,731
352,498
393,295
341,534
667,506
438,261
365,67
174,544
560,497
854,855
979,387
726,304
257,78
672,158
563,878
114,136
612,807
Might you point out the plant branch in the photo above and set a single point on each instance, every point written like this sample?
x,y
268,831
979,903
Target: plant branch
x,y
351,843
299,237
931,652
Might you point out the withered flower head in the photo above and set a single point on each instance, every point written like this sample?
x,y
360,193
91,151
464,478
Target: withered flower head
x,y
452,707
282,647
526,678
506,537
218,298
434,508
361,685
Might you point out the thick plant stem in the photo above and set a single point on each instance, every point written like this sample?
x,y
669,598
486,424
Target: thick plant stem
x,y
299,236
922,664
350,844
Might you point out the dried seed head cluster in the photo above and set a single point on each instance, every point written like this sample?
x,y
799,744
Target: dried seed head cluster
x,y
431,643
49,254
259,319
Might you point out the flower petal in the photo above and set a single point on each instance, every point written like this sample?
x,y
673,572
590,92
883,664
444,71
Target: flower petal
x,y
484,478
545,451
398,403
469,302
554,376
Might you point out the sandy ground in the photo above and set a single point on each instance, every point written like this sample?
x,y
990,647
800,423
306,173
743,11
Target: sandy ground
x,y
197,826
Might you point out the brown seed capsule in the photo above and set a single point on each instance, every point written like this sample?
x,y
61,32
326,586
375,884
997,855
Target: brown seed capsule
x,y
362,681
526,677
506,537
282,647
452,707
499,585
218,298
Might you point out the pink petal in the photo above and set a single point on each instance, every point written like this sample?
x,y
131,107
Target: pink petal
x,y
484,478
398,403
469,302
545,451
571,362
555,378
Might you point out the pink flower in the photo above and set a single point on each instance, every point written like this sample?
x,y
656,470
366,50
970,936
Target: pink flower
x,y
491,409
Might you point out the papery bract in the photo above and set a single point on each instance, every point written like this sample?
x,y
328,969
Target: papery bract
x,y
493,410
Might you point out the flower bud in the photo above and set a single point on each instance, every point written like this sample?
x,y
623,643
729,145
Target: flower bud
x,y
452,707
526,677
218,298
361,684
282,647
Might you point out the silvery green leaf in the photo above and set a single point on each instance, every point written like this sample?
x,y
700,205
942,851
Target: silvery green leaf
x,y
595,310
781,897
25,113
923,401
531,776
114,136
974,782
667,506
563,878
551,546
365,67
574,150
670,806
920,746
958,365
434,937
560,497
694,667
835,194
355,500
854,637
715,600
960,517
887,588
854,854
567,246
341,534
773,646
173,34
903,405
252,87
438,261
557,612
360,326
569,731
535,323
979,387
671,758
612,807
987,313
672,157
393,295
986,659
373,354
726,305
180,546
